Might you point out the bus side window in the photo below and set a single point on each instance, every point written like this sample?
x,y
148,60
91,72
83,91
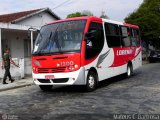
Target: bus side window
x,y
126,41
135,37
112,35
95,44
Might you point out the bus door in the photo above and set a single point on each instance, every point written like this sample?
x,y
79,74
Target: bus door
x,y
95,42
127,51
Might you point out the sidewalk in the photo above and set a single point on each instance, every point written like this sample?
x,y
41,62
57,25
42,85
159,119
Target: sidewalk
x,y
16,84
144,62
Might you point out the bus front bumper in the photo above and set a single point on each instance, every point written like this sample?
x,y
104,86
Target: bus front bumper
x,y
68,78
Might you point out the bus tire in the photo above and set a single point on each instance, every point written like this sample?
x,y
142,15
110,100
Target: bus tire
x,y
91,81
129,70
46,87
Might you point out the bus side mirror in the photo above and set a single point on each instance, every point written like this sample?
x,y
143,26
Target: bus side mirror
x,y
90,35
32,30
38,31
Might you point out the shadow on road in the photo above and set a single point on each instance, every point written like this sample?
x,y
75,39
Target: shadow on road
x,y
118,78
102,84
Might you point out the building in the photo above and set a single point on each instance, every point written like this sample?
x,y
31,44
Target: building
x,y
14,34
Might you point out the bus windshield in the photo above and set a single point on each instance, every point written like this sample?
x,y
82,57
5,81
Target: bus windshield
x,y
60,37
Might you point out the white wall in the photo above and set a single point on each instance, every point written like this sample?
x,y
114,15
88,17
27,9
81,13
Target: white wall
x,y
27,66
37,20
16,72
14,39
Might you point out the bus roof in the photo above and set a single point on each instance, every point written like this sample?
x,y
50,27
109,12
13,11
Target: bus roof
x,y
131,25
78,18
112,21
96,19
120,23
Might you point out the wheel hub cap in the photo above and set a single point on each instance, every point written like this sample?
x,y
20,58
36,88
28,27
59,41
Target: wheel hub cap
x,y
129,71
91,81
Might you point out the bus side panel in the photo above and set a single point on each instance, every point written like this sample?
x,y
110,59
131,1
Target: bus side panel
x,y
137,62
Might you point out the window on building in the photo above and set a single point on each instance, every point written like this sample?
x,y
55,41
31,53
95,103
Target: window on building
x,y
27,48
95,43
113,35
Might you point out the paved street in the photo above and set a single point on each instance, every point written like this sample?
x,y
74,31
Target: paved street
x,y
138,94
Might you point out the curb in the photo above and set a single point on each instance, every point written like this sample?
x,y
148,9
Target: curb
x,y
17,86
145,62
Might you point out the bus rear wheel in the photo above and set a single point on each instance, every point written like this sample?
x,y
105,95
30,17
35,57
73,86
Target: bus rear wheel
x,y
46,87
91,81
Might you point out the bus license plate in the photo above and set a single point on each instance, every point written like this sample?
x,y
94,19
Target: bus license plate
x,y
49,77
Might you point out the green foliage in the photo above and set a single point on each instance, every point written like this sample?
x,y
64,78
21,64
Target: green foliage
x,y
86,13
76,14
148,18
79,14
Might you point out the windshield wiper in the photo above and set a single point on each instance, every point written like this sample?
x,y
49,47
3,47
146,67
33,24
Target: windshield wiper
x,y
55,40
48,41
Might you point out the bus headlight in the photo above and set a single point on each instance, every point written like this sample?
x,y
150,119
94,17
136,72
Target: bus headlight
x,y
76,66
70,67
73,67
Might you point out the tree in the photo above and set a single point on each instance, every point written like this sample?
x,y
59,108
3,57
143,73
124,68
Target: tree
x,y
79,14
103,15
147,16
76,14
86,13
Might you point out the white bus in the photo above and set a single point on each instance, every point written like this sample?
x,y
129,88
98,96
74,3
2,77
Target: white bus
x,y
84,51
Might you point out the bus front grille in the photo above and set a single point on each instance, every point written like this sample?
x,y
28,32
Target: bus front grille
x,y
43,81
60,80
51,70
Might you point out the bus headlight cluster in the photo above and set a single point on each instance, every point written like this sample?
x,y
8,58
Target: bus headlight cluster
x,y
72,67
35,70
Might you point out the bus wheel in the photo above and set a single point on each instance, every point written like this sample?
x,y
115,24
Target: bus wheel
x,y
129,70
91,81
46,87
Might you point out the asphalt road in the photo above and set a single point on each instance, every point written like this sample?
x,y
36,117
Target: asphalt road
x,y
139,94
